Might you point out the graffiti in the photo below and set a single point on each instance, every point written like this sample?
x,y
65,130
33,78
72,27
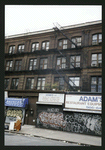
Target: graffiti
x,y
54,120
83,123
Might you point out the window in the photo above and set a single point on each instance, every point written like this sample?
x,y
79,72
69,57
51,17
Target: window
x,y
74,81
43,63
35,46
96,84
32,64
21,48
77,41
45,45
61,62
96,38
6,83
14,84
41,84
18,64
9,65
63,44
11,49
30,83
96,60
74,61
60,82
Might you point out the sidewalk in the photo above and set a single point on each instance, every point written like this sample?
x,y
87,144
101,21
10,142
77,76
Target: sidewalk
x,y
59,135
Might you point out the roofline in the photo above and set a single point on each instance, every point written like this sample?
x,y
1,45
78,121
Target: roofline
x,y
51,30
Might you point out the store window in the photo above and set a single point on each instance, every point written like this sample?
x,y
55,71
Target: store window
x,y
63,43
21,48
74,82
41,84
30,83
14,84
96,84
45,45
33,64
35,46
61,62
96,60
9,65
6,83
11,49
18,65
43,63
60,82
75,61
96,39
77,41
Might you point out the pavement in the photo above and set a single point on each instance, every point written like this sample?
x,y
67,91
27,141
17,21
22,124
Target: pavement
x,y
80,139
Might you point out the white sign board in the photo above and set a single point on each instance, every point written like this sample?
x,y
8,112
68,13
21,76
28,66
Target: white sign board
x,y
50,97
11,126
87,102
5,94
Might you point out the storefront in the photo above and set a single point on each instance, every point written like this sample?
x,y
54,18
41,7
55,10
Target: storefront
x,y
15,107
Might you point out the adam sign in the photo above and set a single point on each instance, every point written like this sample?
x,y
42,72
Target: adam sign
x,y
86,102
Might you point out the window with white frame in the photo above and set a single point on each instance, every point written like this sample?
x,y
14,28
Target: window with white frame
x,y
41,84
9,65
74,81
30,83
14,84
61,62
21,48
12,49
33,64
77,41
96,84
18,65
96,38
43,63
45,45
96,60
75,61
35,46
63,43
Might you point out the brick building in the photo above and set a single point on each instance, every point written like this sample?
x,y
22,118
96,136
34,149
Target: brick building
x,y
69,59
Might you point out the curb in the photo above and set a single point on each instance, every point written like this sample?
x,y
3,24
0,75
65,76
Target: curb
x,y
80,144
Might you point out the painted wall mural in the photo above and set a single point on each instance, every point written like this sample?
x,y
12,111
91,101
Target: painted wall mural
x,y
70,121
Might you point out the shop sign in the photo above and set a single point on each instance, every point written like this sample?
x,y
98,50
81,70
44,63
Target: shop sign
x,y
50,97
87,102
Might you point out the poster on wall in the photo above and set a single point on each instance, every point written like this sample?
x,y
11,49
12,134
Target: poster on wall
x,y
50,97
84,102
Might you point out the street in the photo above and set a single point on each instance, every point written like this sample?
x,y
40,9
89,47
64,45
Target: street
x,y
12,139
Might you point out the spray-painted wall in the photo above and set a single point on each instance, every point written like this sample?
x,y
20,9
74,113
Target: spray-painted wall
x,y
53,117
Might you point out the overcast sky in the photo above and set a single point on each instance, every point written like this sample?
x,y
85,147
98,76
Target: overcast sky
x,y
29,18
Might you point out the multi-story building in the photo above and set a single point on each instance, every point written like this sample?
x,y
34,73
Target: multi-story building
x,y
69,59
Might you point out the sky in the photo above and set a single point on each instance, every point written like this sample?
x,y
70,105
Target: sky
x,y
30,18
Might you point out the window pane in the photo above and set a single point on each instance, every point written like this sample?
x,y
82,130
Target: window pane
x,y
60,43
93,88
64,41
100,37
77,58
95,37
94,80
63,60
58,61
94,56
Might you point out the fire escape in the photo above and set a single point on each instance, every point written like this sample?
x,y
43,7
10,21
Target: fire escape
x,y
60,29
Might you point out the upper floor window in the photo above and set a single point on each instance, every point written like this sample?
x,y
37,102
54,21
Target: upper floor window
x,y
11,49
74,81
63,44
6,83
74,61
96,60
9,65
77,41
30,83
18,64
21,48
41,84
35,46
60,82
96,84
61,62
45,45
43,63
14,84
33,64
96,38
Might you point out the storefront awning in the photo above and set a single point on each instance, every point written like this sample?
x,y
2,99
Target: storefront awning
x,y
16,102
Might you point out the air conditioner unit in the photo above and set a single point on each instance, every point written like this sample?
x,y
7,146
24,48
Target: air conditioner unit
x,y
93,65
